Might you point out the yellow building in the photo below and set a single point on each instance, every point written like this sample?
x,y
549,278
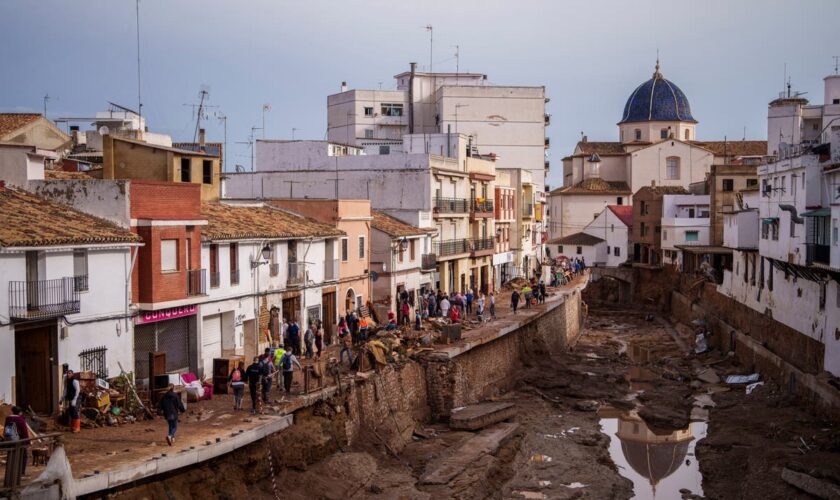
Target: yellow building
x,y
132,159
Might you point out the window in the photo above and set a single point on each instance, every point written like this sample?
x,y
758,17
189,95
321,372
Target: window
x,y
643,230
672,167
608,249
663,134
835,101
187,250
765,230
361,247
234,263
345,249
687,134
752,182
185,170
665,235
168,255
657,229
392,109
384,150
411,249
612,228
214,265
368,133
579,250
774,231
619,201
728,185
559,249
637,134
617,251
207,172
368,110
80,270
692,236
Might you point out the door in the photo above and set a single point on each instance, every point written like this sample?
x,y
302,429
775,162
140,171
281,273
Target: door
x,y
171,337
211,341
35,361
328,316
32,301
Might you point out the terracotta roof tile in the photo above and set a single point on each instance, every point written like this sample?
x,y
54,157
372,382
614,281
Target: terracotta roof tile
x,y
624,213
32,221
576,239
602,148
734,148
51,174
9,122
595,186
392,226
226,221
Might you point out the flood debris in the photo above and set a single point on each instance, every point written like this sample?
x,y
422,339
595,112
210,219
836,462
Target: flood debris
x,y
481,415
742,379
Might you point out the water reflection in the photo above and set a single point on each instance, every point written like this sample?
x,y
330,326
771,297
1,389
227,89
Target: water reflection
x,y
658,464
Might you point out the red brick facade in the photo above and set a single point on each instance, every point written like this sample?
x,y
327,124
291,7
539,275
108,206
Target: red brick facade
x,y
165,200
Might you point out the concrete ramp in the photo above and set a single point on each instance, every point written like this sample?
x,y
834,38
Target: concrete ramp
x,y
481,415
485,442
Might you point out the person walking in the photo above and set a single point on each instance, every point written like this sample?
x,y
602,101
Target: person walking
x,y
346,344
319,338
514,300
267,373
405,309
492,306
309,342
236,380
253,375
432,305
526,294
418,319
294,338
363,329
468,298
171,407
71,400
480,306
444,307
15,429
542,293
287,364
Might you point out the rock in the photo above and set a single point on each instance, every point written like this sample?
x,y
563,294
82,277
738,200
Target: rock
x,y
809,484
478,416
587,405
708,376
696,384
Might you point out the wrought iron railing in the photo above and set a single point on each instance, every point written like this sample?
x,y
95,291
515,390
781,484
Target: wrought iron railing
x,y
81,283
43,299
93,360
479,244
482,206
452,247
215,279
297,273
428,261
197,282
451,205
234,277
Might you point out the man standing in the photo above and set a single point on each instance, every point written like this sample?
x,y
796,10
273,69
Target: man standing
x,y
309,341
514,300
252,373
287,364
468,298
444,307
71,400
266,372
294,338
171,406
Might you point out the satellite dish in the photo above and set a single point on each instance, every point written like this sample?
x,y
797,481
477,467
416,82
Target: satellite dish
x,y
104,130
374,276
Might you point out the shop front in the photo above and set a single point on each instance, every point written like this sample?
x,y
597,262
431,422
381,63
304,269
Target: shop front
x,y
171,331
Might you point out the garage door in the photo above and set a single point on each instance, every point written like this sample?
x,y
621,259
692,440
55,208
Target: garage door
x,y
171,337
211,341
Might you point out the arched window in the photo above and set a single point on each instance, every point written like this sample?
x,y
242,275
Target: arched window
x,y
637,134
687,134
672,167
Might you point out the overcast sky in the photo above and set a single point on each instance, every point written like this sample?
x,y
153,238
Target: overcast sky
x,y
727,56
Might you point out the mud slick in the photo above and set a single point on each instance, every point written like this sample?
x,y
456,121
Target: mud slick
x,y
628,412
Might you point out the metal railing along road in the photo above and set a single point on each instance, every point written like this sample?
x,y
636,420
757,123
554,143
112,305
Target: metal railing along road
x,y
197,281
451,205
43,298
452,247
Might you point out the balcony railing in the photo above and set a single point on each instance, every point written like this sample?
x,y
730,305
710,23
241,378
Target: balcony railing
x,y
234,277
482,244
818,254
451,205
81,283
482,206
331,269
527,209
428,262
274,269
297,273
215,279
197,281
452,247
43,299
547,142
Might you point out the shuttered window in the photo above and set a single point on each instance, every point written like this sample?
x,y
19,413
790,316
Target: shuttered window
x,y
169,255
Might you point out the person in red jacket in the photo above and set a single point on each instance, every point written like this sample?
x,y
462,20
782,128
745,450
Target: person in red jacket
x,y
454,315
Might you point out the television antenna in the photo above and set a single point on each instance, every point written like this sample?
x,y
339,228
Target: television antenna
x,y
431,31
836,63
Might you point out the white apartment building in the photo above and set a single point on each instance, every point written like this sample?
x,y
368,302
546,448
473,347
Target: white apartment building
x,y
604,242
66,278
685,222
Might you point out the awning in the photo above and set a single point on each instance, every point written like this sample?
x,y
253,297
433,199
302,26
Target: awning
x,y
770,220
820,212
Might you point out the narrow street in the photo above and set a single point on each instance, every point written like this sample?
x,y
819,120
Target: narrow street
x,y
624,415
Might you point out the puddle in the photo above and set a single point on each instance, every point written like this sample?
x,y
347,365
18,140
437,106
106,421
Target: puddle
x,y
640,378
658,465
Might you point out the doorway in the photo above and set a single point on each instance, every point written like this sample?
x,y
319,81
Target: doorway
x,y
328,316
36,367
350,301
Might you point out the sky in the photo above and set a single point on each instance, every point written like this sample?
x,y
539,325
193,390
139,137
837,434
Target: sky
x,y
729,57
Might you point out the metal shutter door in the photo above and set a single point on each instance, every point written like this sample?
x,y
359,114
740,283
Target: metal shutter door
x,y
211,341
173,339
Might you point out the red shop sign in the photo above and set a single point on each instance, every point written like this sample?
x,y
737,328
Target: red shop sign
x,y
164,314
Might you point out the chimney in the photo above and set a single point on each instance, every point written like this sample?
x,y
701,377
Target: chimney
x,y
344,86
584,139
201,137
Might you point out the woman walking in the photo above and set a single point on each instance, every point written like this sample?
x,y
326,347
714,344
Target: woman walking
x,y
237,383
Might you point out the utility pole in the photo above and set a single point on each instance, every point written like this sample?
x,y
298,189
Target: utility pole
x,y
139,100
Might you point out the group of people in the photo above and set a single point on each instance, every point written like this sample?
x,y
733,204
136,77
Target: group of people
x,y
313,338
532,293
457,305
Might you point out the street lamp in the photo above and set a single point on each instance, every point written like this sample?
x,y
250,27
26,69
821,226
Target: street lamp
x,y
265,253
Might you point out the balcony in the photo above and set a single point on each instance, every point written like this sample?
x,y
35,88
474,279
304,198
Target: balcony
x,y
818,254
527,210
234,277
452,247
481,209
197,282
297,273
547,166
482,246
547,143
547,119
331,269
81,283
43,299
215,280
428,262
451,205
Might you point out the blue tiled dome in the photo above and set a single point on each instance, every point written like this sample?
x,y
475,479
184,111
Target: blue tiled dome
x,y
657,100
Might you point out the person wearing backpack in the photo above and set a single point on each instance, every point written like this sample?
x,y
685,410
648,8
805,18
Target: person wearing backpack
x,y
287,364
15,429
267,373
237,383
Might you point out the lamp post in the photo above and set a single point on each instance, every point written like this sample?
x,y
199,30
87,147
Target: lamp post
x,y
265,254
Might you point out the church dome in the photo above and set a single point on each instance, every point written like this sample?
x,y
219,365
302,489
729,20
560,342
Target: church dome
x,y
657,100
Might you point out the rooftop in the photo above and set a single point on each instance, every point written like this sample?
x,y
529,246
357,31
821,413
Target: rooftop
x,y
9,122
52,174
734,148
32,221
394,227
582,239
624,213
244,222
595,186
663,190
162,148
